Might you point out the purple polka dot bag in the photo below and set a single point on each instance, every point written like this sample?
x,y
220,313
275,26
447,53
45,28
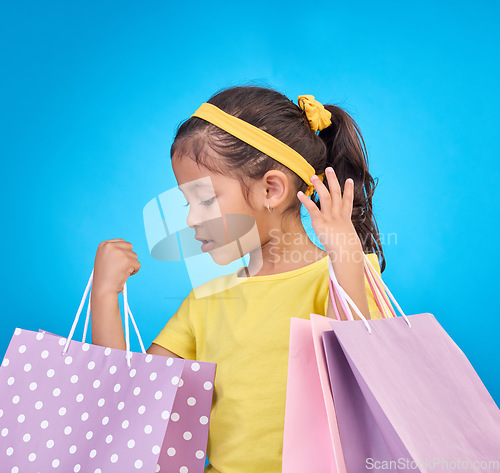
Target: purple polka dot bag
x,y
70,406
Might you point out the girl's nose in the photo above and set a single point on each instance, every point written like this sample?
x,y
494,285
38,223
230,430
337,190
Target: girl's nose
x,y
195,217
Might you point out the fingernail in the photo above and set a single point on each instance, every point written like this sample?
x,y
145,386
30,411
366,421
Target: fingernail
x,y
313,177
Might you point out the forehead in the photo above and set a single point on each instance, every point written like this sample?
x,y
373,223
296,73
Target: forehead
x,y
193,178
189,174
193,158
185,167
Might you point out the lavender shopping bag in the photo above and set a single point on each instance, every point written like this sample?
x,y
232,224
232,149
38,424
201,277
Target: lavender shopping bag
x,y
71,406
406,395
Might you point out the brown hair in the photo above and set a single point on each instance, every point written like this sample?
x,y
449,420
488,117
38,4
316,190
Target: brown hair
x,y
341,146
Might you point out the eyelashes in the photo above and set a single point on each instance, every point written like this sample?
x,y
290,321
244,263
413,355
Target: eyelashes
x,y
204,202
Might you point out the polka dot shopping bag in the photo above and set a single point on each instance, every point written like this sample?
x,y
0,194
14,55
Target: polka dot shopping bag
x,y
70,406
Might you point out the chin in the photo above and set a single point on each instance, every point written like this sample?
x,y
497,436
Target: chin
x,y
223,257
226,254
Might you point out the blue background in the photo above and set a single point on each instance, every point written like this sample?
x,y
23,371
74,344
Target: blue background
x,y
91,94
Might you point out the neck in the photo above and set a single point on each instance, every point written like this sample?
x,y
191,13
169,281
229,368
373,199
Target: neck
x,y
283,251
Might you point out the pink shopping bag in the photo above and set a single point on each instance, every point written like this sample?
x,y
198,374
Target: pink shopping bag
x,y
406,395
75,407
311,440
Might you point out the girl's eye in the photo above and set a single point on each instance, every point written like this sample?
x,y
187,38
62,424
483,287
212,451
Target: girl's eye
x,y
209,201
204,202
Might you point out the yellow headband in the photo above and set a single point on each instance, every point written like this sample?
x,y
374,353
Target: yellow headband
x,y
260,140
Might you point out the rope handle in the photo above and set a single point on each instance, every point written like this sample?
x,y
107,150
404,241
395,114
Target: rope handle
x,y
374,279
344,298
126,309
379,295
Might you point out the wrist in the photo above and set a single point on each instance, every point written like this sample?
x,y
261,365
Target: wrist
x,y
352,254
103,292
342,241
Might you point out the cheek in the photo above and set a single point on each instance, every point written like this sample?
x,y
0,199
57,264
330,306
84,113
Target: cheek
x,y
240,237
232,220
234,203
237,213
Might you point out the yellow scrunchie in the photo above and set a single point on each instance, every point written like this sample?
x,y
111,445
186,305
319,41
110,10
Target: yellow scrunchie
x,y
317,115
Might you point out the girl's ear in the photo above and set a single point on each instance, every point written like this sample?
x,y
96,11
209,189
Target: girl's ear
x,y
275,186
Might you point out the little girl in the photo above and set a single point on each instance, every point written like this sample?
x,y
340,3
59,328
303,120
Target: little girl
x,y
264,158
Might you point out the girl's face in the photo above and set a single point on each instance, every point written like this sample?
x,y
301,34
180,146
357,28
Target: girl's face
x,y
218,211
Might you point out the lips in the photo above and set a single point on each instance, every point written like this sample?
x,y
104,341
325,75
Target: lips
x,y
207,245
202,240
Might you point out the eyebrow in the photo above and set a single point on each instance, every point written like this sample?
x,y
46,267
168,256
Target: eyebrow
x,y
198,185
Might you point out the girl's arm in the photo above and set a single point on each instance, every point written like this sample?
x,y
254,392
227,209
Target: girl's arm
x,y
334,228
114,263
107,329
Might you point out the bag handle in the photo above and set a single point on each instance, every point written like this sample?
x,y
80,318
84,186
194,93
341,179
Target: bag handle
x,y
126,309
344,297
377,296
379,283
347,310
380,297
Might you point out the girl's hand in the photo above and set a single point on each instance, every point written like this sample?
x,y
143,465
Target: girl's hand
x,y
332,224
114,263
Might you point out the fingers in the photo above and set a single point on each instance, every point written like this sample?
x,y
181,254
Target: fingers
x,y
325,198
135,266
331,200
120,242
348,198
334,186
310,206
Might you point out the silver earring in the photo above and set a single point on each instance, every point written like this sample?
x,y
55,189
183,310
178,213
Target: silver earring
x,y
270,210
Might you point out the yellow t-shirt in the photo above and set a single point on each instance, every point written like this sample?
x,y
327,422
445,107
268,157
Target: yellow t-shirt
x,y
245,329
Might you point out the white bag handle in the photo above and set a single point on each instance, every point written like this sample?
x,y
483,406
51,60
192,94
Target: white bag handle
x,y
127,310
344,297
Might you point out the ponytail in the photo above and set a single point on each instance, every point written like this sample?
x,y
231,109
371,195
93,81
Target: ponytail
x,y
346,154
